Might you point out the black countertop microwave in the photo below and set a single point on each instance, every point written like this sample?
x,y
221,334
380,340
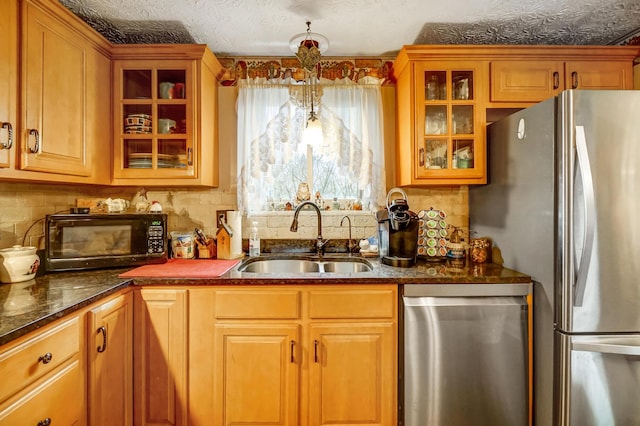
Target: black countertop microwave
x,y
92,241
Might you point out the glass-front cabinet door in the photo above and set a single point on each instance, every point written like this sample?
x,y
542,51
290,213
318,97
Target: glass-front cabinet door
x,y
153,119
448,143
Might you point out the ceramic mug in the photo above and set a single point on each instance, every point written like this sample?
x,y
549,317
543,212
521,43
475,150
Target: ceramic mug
x,y
178,91
165,125
166,90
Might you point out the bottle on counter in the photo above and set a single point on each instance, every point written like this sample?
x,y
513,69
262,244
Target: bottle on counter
x,y
254,240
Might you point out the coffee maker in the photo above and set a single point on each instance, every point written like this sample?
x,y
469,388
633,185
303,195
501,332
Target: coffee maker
x,y
398,232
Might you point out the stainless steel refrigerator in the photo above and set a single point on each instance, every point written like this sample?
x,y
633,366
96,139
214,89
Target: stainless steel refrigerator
x,y
563,205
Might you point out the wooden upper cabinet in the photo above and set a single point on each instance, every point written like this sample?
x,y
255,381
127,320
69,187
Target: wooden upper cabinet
x,y
599,75
440,119
64,84
532,74
55,82
8,81
165,115
525,81
441,132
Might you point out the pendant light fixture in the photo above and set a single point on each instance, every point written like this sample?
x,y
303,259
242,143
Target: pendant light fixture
x,y
308,48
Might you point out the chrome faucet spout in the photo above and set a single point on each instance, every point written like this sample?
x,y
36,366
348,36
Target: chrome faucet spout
x,y
349,245
320,243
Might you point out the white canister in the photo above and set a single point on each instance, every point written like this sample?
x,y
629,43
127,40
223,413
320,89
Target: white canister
x,y
18,264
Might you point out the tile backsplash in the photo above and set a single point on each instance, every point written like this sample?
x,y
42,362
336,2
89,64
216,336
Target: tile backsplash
x,y
26,204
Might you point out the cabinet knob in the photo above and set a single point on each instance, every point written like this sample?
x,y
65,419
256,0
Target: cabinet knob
x,y
102,347
46,358
45,422
292,346
36,134
574,80
315,350
9,142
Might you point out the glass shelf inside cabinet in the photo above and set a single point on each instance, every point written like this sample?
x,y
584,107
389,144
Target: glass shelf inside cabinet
x,y
171,84
462,154
136,84
435,85
462,119
138,154
434,154
435,120
172,119
137,120
173,154
462,85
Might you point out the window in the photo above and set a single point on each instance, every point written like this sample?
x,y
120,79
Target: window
x,y
273,160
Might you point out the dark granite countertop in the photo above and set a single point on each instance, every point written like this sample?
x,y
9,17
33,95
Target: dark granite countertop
x,y
30,305
446,272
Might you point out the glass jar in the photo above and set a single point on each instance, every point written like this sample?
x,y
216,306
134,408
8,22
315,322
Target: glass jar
x,y
480,250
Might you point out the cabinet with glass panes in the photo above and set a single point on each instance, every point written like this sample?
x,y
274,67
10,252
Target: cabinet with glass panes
x,y
165,115
440,122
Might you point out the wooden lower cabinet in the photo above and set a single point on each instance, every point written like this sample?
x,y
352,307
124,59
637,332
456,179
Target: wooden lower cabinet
x,y
42,377
256,374
293,355
352,375
56,401
160,357
110,352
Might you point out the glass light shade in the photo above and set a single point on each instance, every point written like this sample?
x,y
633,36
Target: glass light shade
x,y
313,132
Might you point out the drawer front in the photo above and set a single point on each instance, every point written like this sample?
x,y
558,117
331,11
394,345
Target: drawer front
x,y
365,304
257,304
59,399
25,363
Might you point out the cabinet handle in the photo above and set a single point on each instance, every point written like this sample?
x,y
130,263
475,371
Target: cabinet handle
x,y
46,358
574,80
190,156
556,80
103,347
421,157
9,143
45,422
36,134
315,350
292,345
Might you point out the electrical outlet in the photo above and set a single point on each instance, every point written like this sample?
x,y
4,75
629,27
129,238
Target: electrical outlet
x,y
221,212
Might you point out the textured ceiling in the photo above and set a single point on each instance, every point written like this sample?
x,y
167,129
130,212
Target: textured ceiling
x,y
359,27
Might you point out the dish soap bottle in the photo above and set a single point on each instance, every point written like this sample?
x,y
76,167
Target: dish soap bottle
x,y
254,240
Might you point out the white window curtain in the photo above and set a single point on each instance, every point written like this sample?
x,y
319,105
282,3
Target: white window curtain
x,y
270,128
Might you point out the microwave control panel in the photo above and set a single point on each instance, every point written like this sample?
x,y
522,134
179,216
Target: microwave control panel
x,y
156,237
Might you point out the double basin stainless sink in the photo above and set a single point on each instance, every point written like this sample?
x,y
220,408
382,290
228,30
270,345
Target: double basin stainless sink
x,y
304,265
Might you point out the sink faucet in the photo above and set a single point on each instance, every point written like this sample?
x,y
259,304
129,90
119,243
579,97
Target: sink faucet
x,y
320,243
349,245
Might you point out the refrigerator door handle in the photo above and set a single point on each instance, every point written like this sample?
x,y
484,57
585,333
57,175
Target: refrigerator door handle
x,y
606,348
584,165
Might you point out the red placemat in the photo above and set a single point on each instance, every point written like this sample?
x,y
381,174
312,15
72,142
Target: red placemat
x,y
183,268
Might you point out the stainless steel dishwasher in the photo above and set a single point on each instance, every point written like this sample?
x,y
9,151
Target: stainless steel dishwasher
x,y
466,355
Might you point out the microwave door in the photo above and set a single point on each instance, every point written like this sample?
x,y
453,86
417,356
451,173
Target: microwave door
x,y
91,241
